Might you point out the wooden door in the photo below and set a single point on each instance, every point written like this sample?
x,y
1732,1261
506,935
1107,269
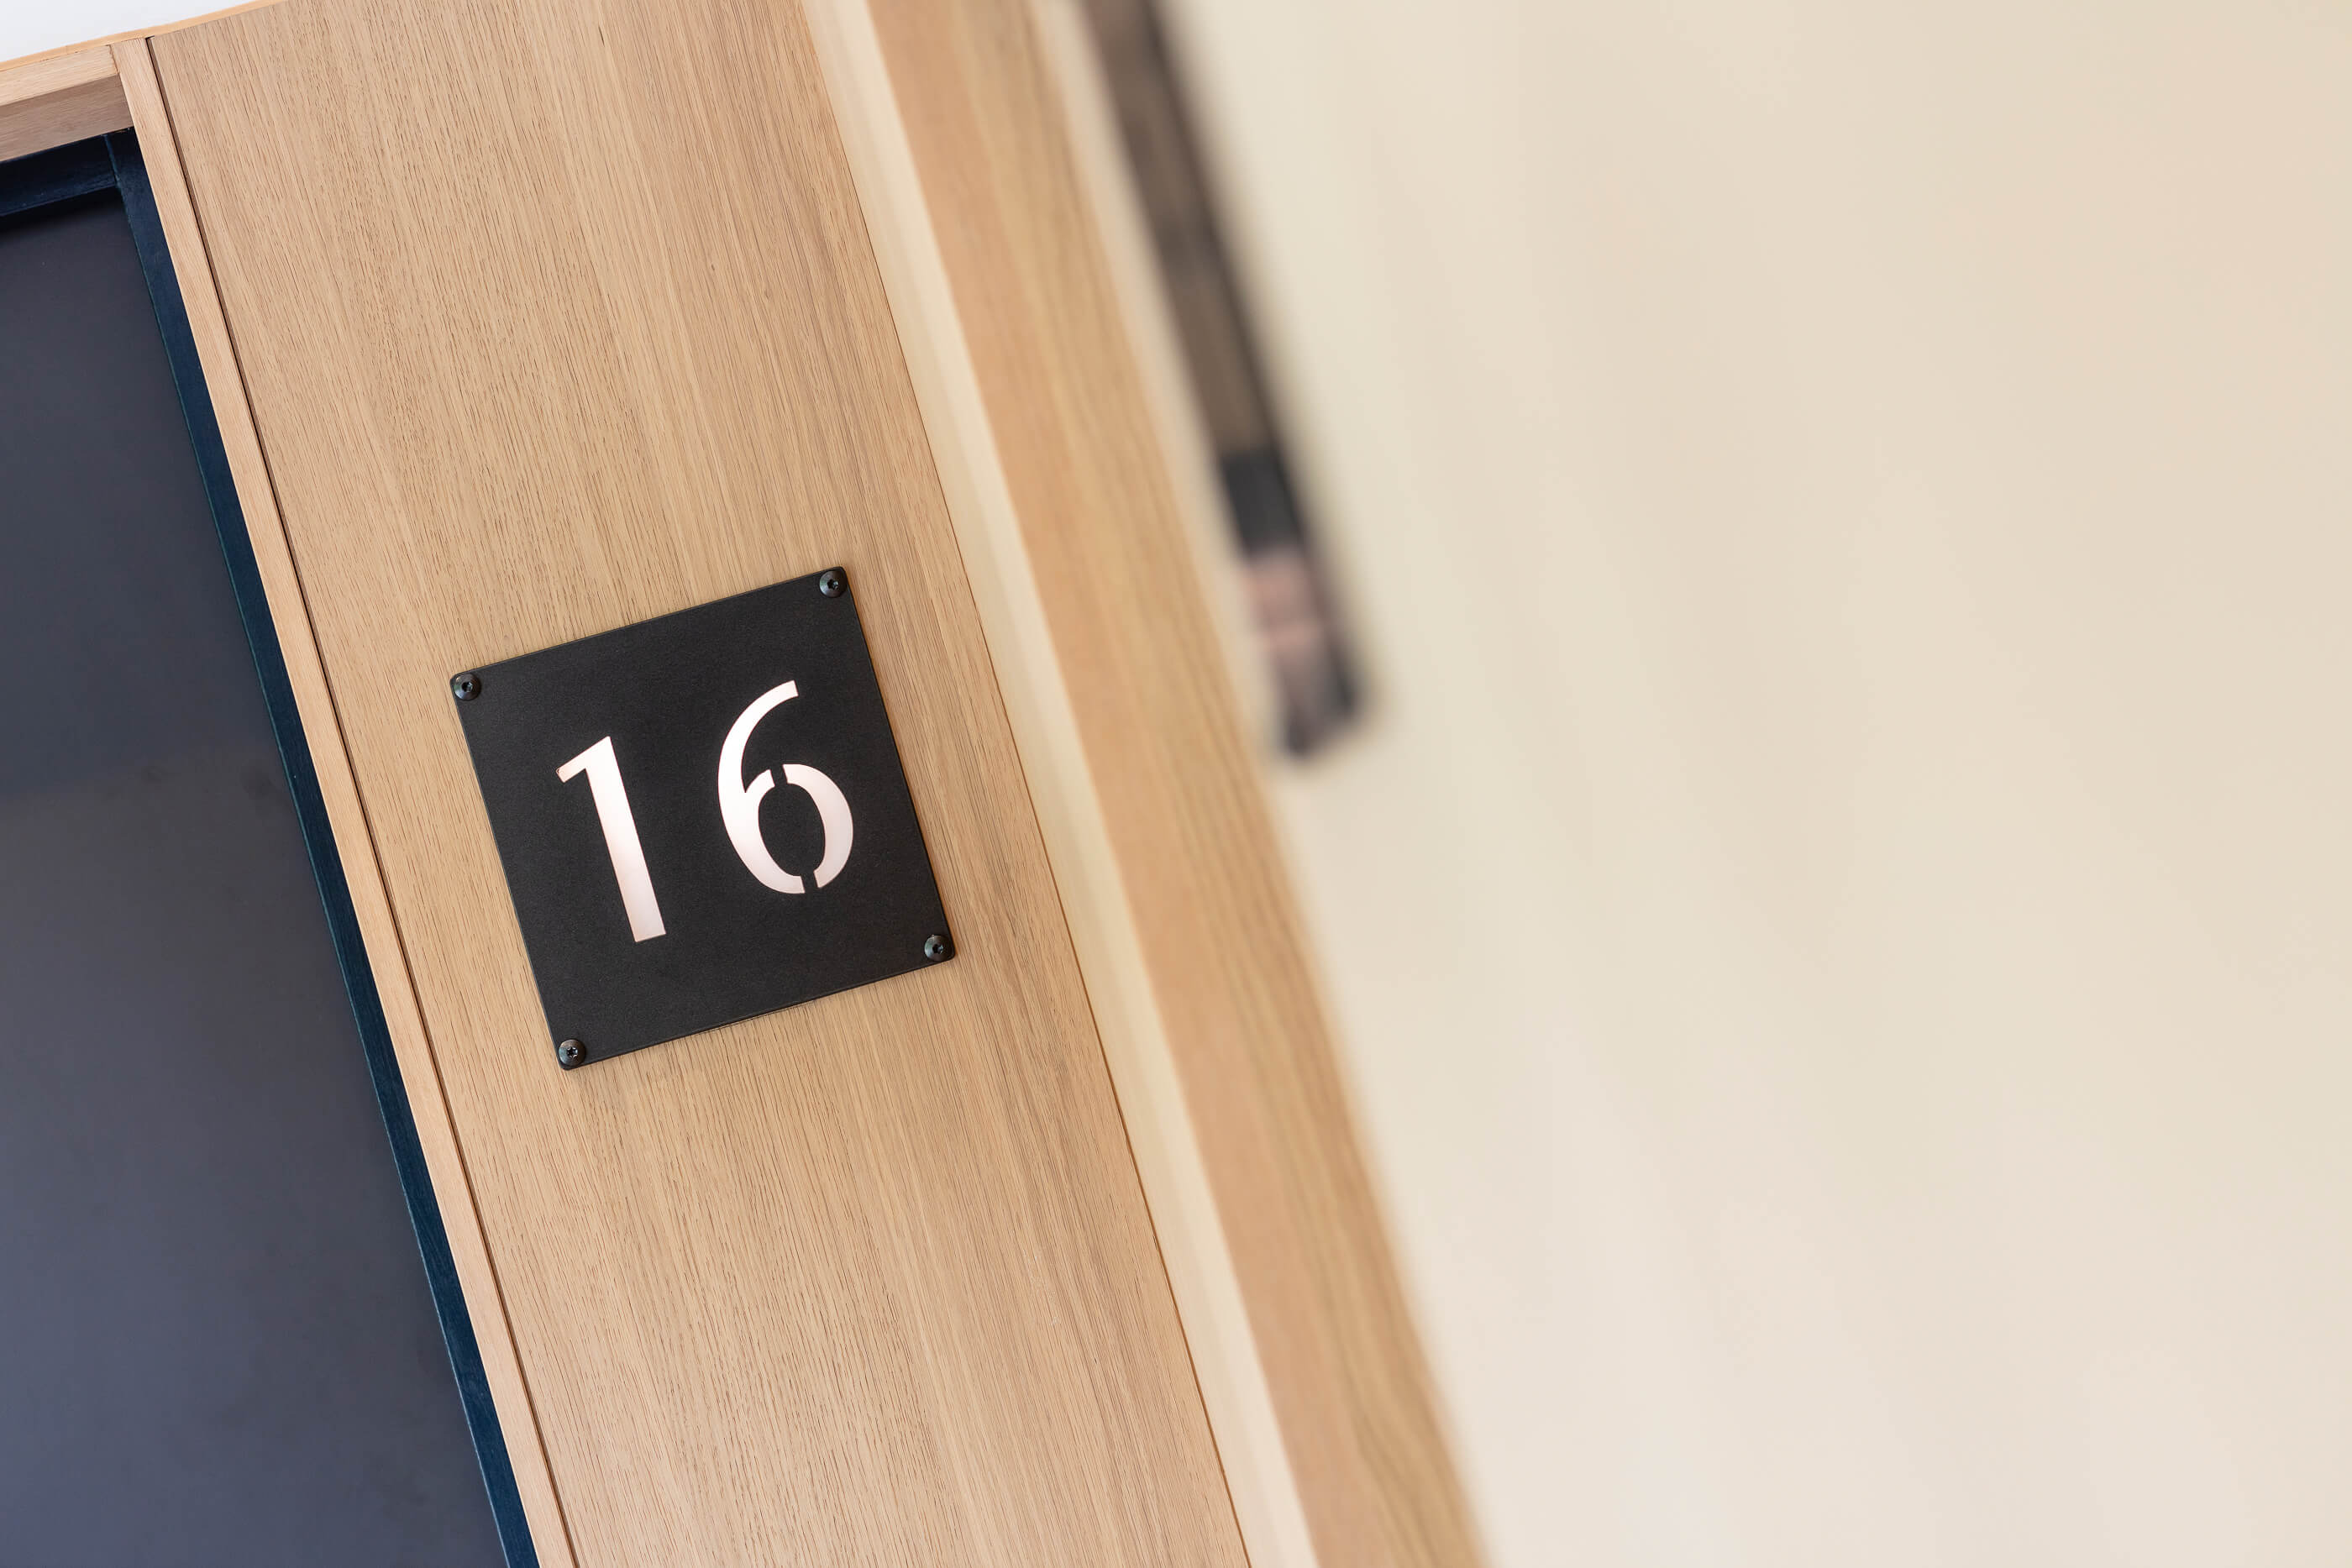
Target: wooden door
x,y
553,316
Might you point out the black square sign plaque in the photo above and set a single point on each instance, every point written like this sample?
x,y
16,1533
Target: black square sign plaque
x,y
702,817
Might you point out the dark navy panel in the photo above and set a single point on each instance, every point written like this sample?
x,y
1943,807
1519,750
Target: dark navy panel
x,y
218,1345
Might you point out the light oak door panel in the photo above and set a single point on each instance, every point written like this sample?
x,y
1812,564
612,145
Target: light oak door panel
x,y
554,316
1027,237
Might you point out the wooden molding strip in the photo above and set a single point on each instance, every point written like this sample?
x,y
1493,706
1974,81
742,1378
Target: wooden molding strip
x,y
445,1159
1197,953
1086,868
54,74
57,99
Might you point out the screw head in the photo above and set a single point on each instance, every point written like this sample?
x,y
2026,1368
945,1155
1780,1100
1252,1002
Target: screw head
x,y
570,1054
466,687
936,948
830,583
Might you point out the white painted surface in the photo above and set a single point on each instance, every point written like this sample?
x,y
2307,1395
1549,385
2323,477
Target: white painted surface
x,y
38,26
1844,924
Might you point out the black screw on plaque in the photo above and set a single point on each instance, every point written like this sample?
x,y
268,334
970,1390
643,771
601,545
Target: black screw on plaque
x,y
466,687
570,1054
936,948
830,583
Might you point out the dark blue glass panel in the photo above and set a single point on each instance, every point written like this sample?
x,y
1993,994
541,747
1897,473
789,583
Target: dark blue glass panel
x,y
216,1340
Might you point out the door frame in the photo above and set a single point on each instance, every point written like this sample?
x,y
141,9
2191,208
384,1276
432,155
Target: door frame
x,y
1237,1110
73,164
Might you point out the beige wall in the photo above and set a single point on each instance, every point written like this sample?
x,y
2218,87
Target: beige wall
x,y
1844,924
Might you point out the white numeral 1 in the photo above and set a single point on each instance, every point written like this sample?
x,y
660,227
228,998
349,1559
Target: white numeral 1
x,y
620,836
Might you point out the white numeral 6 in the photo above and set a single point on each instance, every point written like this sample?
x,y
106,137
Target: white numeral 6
x,y
739,802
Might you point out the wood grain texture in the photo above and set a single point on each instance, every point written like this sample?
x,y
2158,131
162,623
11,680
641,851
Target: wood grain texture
x,y
1069,812
1092,476
56,74
61,99
322,728
554,317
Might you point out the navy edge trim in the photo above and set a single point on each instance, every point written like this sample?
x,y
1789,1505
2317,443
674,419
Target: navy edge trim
x,y
129,172
55,174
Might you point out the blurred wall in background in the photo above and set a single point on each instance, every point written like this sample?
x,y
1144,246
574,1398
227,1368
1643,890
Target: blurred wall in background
x,y
1842,917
